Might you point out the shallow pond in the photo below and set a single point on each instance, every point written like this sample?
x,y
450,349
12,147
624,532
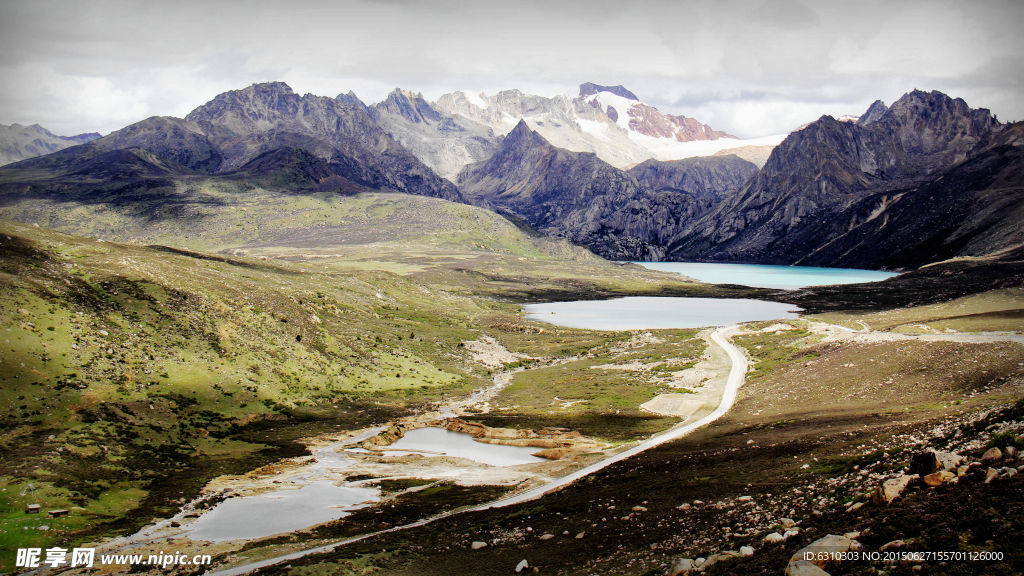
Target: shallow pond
x,y
766,276
438,441
651,312
281,511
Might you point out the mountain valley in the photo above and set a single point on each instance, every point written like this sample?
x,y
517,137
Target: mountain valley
x,y
194,309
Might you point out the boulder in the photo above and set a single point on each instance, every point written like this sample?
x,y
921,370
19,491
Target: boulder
x,y
746,550
831,544
477,545
787,522
547,536
891,489
681,566
938,478
523,565
1010,451
773,538
929,461
855,507
992,454
804,568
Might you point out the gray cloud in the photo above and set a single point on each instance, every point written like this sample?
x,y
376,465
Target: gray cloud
x,y
748,67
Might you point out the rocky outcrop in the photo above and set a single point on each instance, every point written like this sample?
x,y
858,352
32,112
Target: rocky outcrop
x,y
589,89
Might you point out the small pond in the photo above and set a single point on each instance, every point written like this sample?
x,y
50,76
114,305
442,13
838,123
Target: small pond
x,y
438,441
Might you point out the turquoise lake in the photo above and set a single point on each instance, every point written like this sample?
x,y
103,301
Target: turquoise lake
x,y
765,276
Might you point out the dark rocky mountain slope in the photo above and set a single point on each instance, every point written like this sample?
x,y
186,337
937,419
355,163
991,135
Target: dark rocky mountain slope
x,y
617,214
884,191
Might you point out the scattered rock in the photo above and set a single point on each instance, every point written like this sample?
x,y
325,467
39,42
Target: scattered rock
x,y
684,507
855,507
523,565
787,522
891,489
716,558
547,536
746,550
1010,451
478,545
929,461
790,533
992,454
938,478
1008,472
744,498
852,535
773,538
961,470
580,535
831,544
639,509
991,475
804,568
681,566
894,545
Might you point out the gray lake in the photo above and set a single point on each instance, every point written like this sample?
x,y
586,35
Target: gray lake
x,y
765,276
651,312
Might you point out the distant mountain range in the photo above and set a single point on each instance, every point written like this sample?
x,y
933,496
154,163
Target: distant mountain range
x,y
926,179
19,142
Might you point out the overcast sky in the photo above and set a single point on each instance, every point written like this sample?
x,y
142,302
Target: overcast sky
x,y
748,67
